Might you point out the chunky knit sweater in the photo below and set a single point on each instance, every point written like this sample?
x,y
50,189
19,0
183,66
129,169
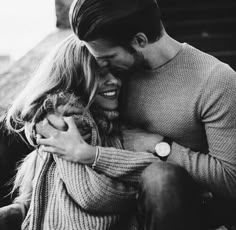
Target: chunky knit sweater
x,y
191,100
72,196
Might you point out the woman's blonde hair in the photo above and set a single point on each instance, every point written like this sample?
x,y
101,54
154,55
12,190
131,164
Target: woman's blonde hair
x,y
69,68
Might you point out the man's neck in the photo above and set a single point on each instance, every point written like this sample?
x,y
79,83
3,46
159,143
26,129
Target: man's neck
x,y
162,51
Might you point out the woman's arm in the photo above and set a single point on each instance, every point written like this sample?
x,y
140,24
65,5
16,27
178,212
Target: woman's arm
x,y
124,165
11,216
114,162
95,190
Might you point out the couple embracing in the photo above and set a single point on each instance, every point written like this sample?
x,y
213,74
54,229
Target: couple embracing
x,y
174,169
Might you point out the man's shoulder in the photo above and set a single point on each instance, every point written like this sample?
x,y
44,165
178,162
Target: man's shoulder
x,y
205,64
200,57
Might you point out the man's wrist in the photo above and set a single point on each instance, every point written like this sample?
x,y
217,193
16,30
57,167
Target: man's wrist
x,y
163,149
167,140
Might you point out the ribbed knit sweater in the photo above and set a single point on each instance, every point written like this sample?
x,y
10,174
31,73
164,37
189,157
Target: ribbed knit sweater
x,y
191,100
73,196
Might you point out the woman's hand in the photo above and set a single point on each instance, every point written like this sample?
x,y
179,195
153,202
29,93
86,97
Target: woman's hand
x,y
140,141
11,217
66,143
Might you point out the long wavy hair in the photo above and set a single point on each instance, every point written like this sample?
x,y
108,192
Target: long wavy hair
x,y
69,68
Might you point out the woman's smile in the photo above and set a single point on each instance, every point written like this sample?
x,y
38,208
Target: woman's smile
x,y
108,92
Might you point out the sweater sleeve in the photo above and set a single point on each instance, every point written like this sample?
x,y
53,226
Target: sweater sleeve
x,y
124,165
105,189
215,170
93,191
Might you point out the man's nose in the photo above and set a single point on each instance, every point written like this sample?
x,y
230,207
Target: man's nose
x,y
102,63
111,79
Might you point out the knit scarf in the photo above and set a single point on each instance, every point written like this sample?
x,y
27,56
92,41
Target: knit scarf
x,y
70,195
94,119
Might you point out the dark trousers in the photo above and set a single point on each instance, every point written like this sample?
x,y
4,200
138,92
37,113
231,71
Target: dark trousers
x,y
169,199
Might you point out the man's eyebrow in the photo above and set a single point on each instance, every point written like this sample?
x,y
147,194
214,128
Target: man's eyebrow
x,y
105,56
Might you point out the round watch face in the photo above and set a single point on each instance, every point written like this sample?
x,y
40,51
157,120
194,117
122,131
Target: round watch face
x,y
162,149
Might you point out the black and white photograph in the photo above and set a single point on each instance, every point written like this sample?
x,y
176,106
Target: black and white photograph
x,y
118,115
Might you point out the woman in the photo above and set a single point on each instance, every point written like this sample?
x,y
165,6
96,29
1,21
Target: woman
x,y
58,194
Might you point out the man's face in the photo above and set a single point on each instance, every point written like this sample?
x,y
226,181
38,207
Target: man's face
x,y
116,58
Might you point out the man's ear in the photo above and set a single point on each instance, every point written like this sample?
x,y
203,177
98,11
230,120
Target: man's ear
x,y
139,41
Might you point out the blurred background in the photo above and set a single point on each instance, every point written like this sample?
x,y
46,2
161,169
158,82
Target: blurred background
x,y
30,28
23,24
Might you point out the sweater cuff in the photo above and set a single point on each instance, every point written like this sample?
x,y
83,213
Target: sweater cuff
x,y
106,159
177,152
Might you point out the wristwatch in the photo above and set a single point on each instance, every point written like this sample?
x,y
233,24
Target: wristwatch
x,y
162,150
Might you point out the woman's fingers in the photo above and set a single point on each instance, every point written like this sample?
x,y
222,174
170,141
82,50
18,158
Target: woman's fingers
x,y
45,129
69,110
45,141
69,145
86,136
38,136
57,122
70,122
51,149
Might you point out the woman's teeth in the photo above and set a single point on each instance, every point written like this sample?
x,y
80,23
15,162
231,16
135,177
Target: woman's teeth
x,y
109,94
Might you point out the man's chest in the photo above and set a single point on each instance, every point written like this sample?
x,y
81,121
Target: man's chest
x,y
171,113
159,115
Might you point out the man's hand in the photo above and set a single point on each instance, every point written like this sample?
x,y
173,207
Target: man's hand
x,y
67,144
140,141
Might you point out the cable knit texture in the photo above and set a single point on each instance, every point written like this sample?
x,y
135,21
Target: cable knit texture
x,y
69,195
192,100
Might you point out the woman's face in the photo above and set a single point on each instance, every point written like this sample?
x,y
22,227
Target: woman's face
x,y
108,92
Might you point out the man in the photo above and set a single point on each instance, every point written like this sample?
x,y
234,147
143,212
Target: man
x,y
179,92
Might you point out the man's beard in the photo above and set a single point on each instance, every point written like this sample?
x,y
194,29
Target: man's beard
x,y
139,63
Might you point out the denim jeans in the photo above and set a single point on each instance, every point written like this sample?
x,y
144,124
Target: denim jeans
x,y
169,199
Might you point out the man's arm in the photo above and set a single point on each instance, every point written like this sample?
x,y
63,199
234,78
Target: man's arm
x,y
217,112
